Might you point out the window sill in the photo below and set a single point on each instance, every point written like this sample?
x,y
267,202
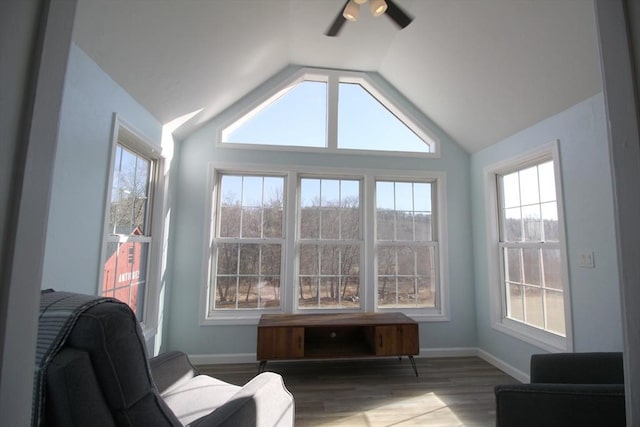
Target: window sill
x,y
253,318
534,336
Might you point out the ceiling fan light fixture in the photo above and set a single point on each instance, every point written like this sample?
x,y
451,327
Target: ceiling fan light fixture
x,y
378,7
351,11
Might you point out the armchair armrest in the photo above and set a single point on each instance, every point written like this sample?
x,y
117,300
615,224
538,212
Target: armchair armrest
x,y
262,402
577,368
170,370
561,405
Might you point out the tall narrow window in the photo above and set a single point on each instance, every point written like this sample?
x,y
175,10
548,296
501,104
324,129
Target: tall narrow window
x,y
530,252
330,243
406,245
129,238
248,244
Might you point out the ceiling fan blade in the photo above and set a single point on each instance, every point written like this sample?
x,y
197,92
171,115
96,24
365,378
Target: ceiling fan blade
x,y
335,28
398,15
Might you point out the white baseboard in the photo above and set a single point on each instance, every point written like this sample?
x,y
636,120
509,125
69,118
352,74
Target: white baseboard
x,y
503,366
222,359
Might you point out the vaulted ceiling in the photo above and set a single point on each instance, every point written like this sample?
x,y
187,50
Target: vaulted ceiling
x,y
481,69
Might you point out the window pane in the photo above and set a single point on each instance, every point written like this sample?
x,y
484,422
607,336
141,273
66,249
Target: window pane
x,y
308,292
226,293
365,123
515,308
404,226
329,224
531,261
385,196
423,226
229,221
529,193
227,259
350,224
511,190
425,258
406,276
512,225
404,196
550,222
272,223
532,223
251,222
555,312
309,260
385,225
533,305
547,182
309,223
296,117
309,192
513,265
270,260
248,259
230,190
129,193
406,261
422,196
552,272
125,274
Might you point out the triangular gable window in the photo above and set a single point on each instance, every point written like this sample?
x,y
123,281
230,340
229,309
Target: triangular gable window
x,y
338,111
297,117
365,123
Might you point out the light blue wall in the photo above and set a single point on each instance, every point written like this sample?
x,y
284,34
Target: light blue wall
x,y
189,234
588,206
80,177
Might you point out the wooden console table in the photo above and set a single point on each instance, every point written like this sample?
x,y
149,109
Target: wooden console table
x,y
320,336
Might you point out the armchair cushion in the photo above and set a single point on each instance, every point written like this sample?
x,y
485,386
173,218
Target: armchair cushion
x,y
567,389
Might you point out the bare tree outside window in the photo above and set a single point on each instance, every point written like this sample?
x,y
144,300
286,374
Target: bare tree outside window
x,y
406,249
330,243
248,243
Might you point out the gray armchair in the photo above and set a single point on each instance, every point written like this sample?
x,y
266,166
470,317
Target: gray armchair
x,y
97,373
566,389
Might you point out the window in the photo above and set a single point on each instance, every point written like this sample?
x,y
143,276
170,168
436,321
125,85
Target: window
x,y
248,242
328,110
530,251
406,248
128,238
330,243
296,116
300,241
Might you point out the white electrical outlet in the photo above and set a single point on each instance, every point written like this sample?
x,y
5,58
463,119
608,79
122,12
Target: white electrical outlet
x,y
586,260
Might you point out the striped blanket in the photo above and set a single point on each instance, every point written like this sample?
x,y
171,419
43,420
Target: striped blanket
x,y
59,311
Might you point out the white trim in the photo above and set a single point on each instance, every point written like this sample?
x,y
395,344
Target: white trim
x,y
521,376
537,337
427,353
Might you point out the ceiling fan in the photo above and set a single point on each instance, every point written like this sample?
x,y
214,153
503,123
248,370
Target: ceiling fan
x,y
351,11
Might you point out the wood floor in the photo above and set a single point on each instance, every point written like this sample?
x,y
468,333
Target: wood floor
x,y
383,392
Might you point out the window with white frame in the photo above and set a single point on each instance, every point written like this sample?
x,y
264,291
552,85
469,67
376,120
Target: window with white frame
x,y
129,234
532,268
248,243
407,248
329,242
298,241
329,110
